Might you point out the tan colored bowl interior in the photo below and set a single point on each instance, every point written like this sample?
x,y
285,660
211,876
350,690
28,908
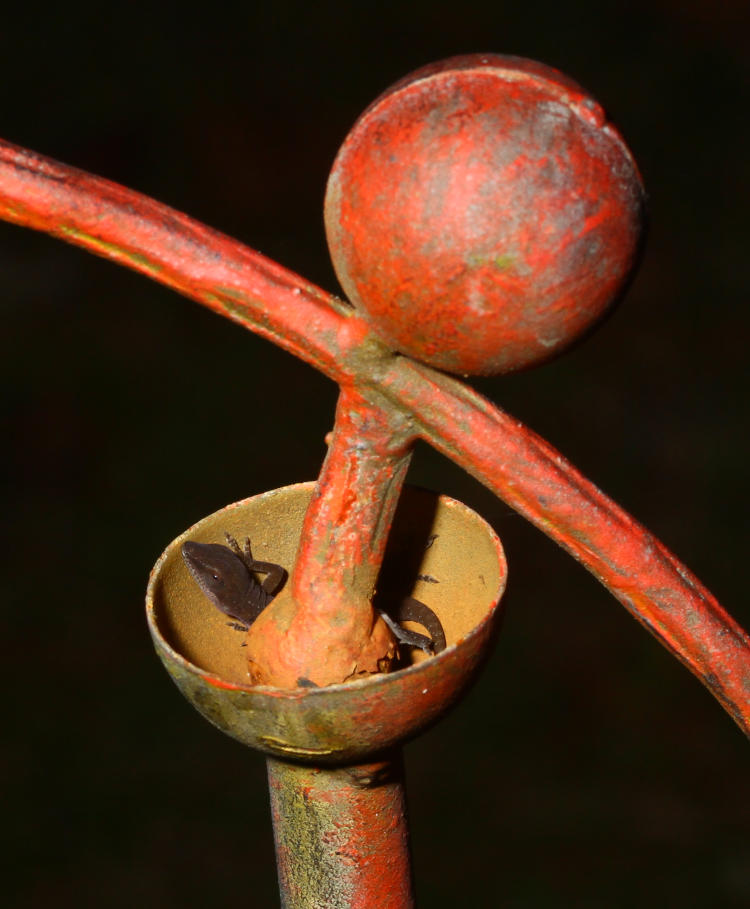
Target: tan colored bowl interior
x,y
463,567
439,551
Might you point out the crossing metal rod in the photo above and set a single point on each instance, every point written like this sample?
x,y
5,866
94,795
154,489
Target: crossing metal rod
x,y
338,804
516,464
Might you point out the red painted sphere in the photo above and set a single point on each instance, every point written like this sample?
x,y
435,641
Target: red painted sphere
x,y
483,214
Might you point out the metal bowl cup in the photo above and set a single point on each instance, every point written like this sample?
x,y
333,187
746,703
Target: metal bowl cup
x,y
462,572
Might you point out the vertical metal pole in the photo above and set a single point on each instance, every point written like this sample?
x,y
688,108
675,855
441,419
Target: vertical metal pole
x,y
341,835
335,772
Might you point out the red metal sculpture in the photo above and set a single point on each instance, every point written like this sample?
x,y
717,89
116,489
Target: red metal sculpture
x,y
482,214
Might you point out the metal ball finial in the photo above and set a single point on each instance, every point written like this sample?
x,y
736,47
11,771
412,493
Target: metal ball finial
x,y
483,214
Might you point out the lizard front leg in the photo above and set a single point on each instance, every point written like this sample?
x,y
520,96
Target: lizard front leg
x,y
275,575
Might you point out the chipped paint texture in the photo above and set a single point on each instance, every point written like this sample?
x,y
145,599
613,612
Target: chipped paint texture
x,y
323,629
511,460
345,723
333,831
483,214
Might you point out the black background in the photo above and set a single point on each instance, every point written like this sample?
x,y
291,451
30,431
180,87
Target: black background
x,y
587,768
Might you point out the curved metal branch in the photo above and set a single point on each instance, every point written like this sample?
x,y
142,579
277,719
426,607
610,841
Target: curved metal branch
x,y
519,466
533,478
131,229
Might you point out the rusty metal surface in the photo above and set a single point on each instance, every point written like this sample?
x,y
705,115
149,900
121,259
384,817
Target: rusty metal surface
x,y
341,836
521,468
339,723
539,483
322,628
483,213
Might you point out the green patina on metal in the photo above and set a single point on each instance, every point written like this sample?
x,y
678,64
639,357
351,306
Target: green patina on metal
x,y
112,250
341,835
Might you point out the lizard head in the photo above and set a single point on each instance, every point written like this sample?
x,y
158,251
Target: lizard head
x,y
220,573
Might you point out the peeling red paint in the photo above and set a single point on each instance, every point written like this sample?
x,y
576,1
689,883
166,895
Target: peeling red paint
x,y
467,200
481,214
261,295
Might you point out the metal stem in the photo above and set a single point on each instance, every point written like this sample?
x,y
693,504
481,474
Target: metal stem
x,y
346,526
341,835
322,629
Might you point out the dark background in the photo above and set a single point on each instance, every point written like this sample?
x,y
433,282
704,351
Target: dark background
x,y
587,768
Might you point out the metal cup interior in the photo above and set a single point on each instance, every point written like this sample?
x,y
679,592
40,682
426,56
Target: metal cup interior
x,y
439,552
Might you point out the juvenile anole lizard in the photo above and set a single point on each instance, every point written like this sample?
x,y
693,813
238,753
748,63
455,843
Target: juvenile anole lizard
x,y
226,575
